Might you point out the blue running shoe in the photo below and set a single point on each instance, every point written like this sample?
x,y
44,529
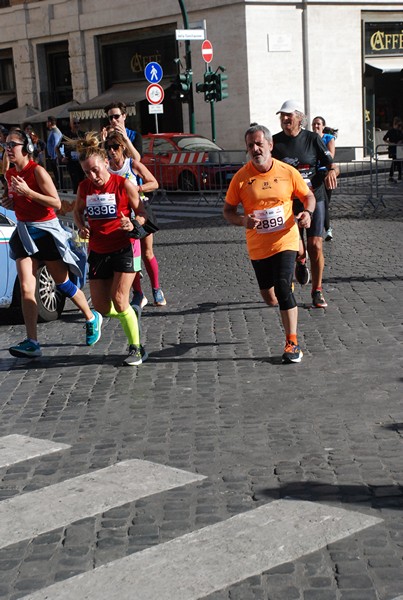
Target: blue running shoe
x,y
26,349
138,300
159,298
93,329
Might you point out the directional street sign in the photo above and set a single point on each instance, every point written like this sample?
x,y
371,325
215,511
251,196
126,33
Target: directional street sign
x,y
155,93
207,51
153,72
190,34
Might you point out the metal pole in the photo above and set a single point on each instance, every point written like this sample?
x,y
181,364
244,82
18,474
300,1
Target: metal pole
x,y
188,57
213,132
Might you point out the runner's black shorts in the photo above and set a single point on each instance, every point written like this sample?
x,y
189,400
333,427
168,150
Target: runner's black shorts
x,y
318,218
47,249
103,266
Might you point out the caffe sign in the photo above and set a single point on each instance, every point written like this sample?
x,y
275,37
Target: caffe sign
x,y
384,39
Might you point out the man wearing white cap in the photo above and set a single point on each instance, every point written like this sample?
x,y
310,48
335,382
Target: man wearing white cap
x,y
306,151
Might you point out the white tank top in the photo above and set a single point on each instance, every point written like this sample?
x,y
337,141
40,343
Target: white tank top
x,y
125,171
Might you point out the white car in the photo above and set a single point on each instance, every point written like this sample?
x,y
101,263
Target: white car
x,y
50,300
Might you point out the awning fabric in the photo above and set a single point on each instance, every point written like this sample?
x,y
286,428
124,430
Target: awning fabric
x,y
17,116
386,64
59,112
129,93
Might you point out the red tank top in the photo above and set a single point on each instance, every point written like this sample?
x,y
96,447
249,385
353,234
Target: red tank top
x,y
104,207
25,208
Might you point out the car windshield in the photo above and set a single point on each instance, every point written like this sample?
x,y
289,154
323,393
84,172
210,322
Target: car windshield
x,y
195,144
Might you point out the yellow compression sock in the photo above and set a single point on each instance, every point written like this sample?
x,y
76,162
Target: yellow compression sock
x,y
113,313
130,324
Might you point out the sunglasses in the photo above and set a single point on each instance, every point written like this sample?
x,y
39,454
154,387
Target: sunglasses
x,y
11,145
112,117
112,147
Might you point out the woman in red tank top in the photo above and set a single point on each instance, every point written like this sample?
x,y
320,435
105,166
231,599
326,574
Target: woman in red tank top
x,y
102,213
33,197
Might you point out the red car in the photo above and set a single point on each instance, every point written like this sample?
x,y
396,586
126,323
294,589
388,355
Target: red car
x,y
189,162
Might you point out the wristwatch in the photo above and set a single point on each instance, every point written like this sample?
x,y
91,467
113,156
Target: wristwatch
x,y
310,212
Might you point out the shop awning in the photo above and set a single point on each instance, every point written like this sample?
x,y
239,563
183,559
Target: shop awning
x,y
129,93
59,112
17,116
386,64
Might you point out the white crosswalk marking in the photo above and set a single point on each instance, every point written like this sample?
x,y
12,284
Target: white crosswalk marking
x,y
16,448
85,496
213,558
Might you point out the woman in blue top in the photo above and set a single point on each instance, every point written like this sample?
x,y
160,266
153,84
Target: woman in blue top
x,y
328,136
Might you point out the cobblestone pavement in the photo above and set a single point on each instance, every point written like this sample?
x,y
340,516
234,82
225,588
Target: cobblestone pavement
x,y
215,400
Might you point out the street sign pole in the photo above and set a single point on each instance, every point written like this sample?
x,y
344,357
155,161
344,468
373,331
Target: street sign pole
x,y
207,55
155,96
188,55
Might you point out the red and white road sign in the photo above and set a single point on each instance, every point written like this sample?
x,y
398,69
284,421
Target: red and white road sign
x,y
155,93
207,51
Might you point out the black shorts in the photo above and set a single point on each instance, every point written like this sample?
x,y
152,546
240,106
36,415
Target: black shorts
x,y
103,266
318,218
278,271
268,270
47,249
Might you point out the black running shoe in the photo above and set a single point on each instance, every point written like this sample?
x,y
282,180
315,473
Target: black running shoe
x,y
302,273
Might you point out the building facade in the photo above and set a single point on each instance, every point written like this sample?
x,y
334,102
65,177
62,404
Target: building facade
x,y
342,59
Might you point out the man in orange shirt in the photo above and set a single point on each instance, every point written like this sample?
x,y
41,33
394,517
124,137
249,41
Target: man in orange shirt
x,y
266,187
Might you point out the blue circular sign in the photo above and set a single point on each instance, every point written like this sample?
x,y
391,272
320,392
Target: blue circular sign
x,y
153,72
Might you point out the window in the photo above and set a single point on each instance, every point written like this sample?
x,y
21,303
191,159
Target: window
x,y
7,81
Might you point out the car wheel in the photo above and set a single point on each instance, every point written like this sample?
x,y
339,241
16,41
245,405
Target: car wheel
x,y
50,300
187,182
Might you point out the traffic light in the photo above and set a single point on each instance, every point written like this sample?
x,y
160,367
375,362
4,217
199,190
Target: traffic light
x,y
182,86
222,87
210,86
214,86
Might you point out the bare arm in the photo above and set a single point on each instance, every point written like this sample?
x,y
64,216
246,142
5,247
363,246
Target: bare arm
x,y
304,217
230,214
331,146
78,215
48,195
134,202
149,182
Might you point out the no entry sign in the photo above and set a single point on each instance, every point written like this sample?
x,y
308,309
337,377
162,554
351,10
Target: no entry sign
x,y
207,51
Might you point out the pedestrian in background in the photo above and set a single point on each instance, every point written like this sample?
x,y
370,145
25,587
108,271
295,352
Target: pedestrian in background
x,y
117,113
393,137
328,136
54,138
70,155
3,164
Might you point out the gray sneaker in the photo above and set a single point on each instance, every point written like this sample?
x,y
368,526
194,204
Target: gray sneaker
x,y
137,355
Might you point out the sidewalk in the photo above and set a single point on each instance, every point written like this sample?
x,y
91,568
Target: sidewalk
x,y
215,400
